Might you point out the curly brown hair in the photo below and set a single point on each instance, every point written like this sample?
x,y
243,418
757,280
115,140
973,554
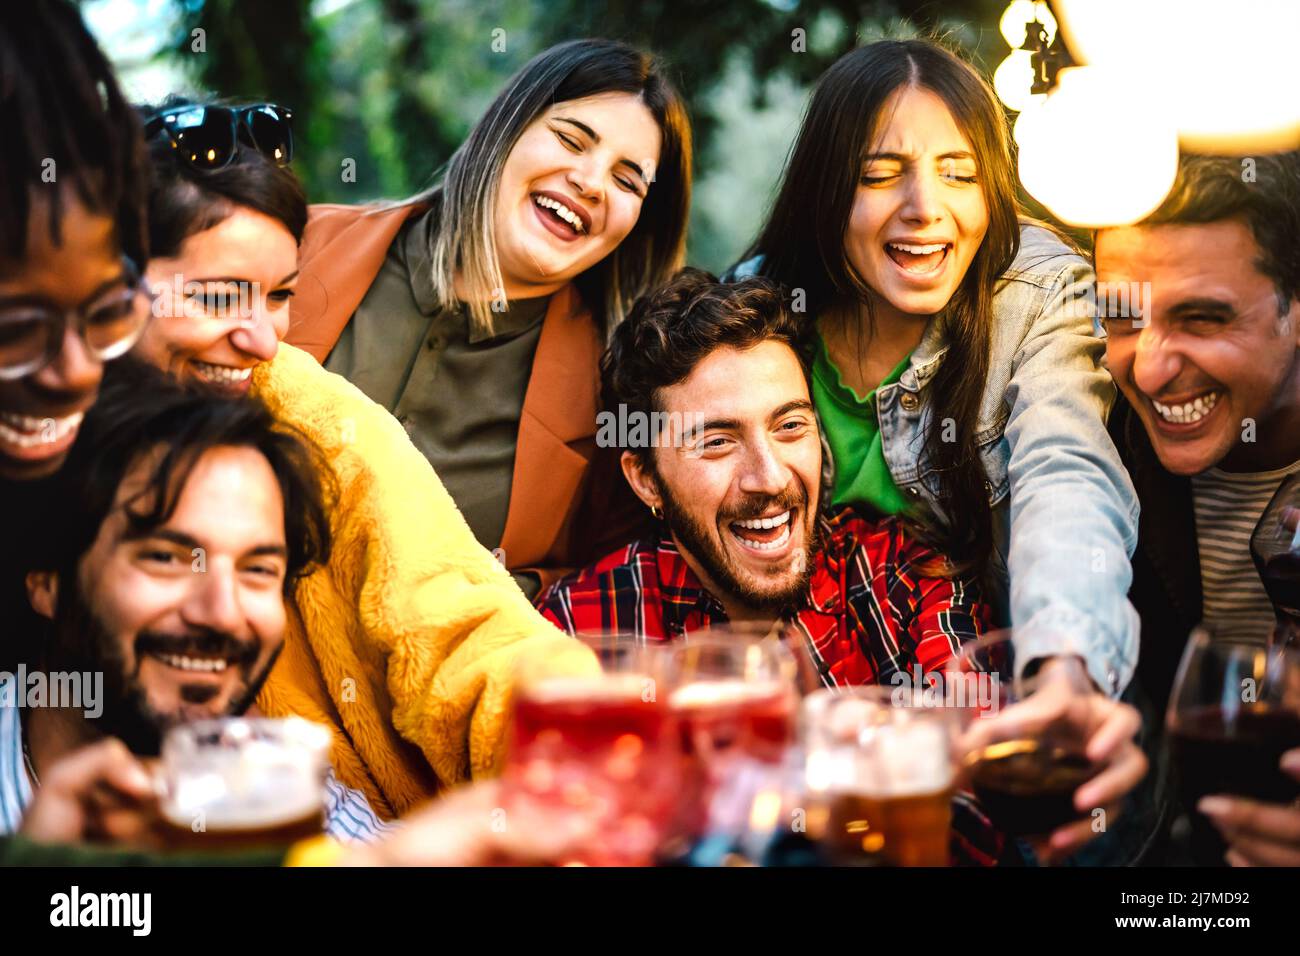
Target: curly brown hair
x,y
671,330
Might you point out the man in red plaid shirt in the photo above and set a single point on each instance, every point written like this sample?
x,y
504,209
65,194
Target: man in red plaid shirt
x,y
711,406
720,441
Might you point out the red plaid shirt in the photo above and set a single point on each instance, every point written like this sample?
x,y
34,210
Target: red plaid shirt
x,y
871,611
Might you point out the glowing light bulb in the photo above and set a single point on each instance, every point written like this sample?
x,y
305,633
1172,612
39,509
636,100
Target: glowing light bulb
x,y
1225,74
1112,181
1018,15
1013,79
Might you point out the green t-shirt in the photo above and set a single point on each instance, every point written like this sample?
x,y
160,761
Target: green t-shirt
x,y
853,432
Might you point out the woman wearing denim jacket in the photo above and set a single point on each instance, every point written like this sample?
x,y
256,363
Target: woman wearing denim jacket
x,y
956,371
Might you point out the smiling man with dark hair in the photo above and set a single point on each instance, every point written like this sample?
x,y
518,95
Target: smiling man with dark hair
x,y
1209,423
729,459
184,521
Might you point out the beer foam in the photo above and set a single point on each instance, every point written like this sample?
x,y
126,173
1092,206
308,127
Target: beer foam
x,y
723,693
259,785
903,759
912,757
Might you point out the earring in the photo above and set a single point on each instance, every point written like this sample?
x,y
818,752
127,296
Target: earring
x,y
656,513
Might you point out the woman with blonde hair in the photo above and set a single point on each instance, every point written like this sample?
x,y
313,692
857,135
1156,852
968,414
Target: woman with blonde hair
x,y
476,313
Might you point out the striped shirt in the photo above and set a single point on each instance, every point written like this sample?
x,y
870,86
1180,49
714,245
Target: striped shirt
x,y
348,817
1228,506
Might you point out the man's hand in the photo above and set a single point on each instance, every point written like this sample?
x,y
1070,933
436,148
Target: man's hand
x,y
1068,705
98,794
470,827
1258,834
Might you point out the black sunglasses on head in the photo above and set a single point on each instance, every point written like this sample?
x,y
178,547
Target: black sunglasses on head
x,y
206,137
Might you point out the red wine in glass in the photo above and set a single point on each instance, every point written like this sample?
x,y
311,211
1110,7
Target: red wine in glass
x,y
1275,549
1234,711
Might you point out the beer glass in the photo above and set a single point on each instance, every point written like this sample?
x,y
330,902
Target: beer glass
x,y
1235,709
881,777
600,744
1024,775
237,783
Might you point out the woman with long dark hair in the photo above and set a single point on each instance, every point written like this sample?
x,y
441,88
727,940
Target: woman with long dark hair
x,y
956,372
476,312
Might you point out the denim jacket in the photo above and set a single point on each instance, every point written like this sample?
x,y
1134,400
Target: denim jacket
x,y
1064,510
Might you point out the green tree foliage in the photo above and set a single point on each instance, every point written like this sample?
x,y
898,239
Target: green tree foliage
x,y
393,85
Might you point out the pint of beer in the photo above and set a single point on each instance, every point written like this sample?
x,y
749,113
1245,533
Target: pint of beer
x,y
236,783
883,774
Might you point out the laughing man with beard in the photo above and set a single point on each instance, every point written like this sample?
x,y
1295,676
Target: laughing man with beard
x,y
183,522
734,477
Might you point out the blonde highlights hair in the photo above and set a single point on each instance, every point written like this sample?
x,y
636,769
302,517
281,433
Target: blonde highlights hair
x,y
465,199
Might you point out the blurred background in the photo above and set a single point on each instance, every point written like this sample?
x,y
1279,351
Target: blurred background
x,y
394,85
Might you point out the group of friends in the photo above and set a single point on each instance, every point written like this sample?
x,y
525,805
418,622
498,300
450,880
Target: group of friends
x,y
354,463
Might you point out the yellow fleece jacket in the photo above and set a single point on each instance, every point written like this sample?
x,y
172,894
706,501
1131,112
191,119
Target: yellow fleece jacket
x,y
406,642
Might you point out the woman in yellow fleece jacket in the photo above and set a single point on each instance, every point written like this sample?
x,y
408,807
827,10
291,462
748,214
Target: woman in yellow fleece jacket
x,y
406,641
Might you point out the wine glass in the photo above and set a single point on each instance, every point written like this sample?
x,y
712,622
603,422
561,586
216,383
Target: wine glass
x,y
1235,709
1275,548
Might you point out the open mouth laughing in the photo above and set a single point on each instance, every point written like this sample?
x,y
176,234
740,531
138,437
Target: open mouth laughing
x,y
566,220
766,536
32,438
922,259
1187,413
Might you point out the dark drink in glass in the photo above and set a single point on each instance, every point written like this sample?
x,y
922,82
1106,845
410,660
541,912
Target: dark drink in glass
x,y
1237,753
1275,549
1234,711
1027,786
1281,576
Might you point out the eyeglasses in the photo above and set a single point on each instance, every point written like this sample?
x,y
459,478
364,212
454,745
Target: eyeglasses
x,y
206,137
31,336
